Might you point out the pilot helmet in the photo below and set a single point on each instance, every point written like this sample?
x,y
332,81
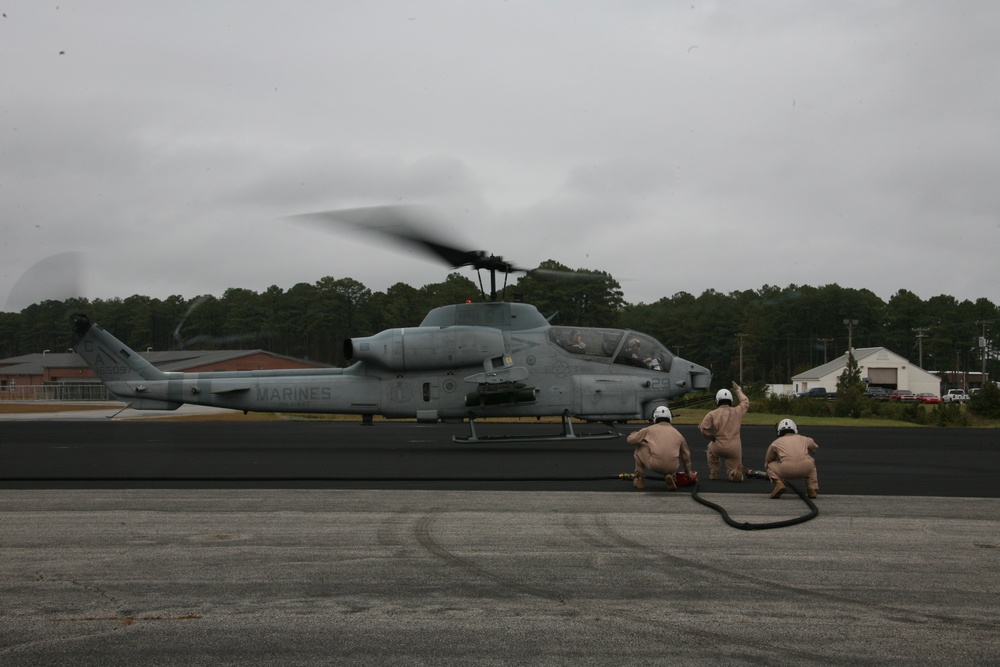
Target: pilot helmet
x,y
723,395
662,412
786,426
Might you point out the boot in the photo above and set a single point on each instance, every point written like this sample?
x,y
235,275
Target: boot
x,y
738,475
812,493
671,482
779,488
639,482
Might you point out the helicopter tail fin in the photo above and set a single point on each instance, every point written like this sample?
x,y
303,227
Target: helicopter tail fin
x,y
120,368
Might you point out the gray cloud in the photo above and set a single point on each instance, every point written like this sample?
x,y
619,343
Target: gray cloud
x,y
680,147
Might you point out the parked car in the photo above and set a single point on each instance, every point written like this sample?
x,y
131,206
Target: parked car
x,y
902,396
878,393
927,397
955,396
817,392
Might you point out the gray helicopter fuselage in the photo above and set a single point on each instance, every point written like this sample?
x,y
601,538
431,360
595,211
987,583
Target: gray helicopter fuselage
x,y
467,360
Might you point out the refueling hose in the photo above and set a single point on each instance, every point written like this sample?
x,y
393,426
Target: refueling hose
x,y
746,525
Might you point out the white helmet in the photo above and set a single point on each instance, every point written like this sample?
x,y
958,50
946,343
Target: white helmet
x,y
724,395
662,412
787,425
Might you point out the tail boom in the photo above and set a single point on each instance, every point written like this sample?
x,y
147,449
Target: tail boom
x,y
135,381
125,373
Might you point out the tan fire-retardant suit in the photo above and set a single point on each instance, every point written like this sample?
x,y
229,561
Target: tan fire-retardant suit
x,y
721,427
790,457
661,448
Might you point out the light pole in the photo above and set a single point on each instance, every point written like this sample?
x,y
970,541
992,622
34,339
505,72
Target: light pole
x,y
920,342
741,336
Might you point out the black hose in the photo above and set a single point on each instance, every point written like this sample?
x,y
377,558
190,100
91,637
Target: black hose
x,y
746,525
692,402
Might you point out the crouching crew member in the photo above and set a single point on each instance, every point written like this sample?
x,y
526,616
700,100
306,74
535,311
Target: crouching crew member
x,y
791,457
661,448
721,427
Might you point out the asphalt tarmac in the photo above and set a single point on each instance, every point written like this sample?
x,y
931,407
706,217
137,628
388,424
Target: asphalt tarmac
x,y
140,453
127,542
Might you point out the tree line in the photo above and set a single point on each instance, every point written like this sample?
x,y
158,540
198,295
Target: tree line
x,y
765,335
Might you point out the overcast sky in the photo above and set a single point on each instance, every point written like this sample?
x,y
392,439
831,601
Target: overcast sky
x,y
679,146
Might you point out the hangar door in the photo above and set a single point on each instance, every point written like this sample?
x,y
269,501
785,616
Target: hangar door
x,y
883,377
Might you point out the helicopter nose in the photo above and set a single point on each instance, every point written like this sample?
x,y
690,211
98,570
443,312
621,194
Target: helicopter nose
x,y
701,377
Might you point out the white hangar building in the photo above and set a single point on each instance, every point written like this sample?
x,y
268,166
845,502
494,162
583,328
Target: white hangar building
x,y
879,368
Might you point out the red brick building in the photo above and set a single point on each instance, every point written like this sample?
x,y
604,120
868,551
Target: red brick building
x,y
54,375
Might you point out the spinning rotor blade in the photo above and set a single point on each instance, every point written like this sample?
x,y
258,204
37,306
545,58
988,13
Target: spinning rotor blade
x,y
181,343
409,225
56,278
565,274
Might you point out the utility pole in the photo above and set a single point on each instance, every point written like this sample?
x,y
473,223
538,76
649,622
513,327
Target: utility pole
x,y
958,369
824,341
850,335
741,336
982,352
920,342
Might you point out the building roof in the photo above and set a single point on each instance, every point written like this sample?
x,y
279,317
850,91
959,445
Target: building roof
x,y
172,360
905,374
35,364
860,355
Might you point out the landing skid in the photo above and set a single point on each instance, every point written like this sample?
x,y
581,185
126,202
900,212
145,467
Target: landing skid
x,y
567,434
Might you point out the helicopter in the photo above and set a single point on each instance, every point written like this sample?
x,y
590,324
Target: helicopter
x,y
466,361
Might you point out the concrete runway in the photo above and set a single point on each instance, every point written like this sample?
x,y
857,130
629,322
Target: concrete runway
x,y
140,567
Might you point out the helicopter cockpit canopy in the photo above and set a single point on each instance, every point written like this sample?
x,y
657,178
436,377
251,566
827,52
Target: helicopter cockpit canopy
x,y
624,347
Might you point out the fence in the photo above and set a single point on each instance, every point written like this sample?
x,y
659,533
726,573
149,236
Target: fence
x,y
63,391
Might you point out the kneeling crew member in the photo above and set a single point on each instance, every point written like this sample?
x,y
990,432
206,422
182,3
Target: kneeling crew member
x,y
661,448
791,457
721,427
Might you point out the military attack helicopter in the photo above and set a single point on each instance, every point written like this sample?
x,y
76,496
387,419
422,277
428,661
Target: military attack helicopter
x,y
463,362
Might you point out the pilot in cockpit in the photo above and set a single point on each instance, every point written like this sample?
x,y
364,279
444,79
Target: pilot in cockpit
x,y
632,354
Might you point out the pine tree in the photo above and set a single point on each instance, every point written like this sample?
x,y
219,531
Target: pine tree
x,y
850,388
